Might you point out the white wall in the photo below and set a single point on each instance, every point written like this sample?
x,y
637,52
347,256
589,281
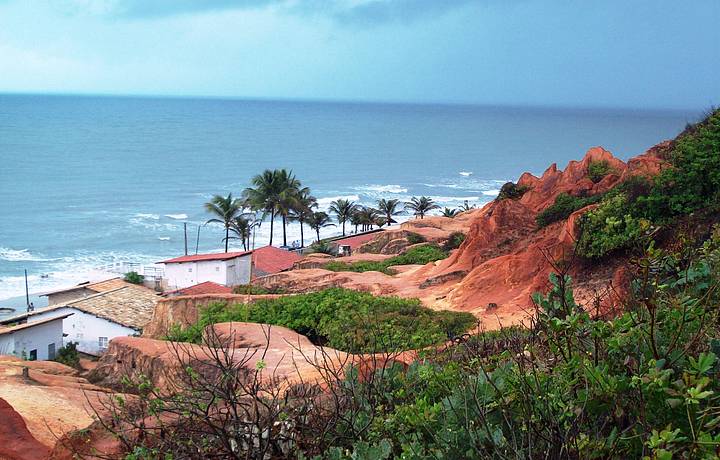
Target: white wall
x,y
21,342
227,272
86,329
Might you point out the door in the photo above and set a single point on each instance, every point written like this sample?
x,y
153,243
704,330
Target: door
x,y
51,351
33,355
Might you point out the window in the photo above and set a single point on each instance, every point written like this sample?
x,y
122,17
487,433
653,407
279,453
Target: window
x,y
33,355
102,342
217,269
79,335
51,351
190,270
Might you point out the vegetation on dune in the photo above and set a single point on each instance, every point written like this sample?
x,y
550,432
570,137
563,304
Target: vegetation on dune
x,y
253,289
415,238
68,355
632,211
343,319
563,206
454,241
512,191
598,169
418,255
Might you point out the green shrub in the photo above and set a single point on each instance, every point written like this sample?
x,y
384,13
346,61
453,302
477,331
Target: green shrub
x,y
414,238
454,241
322,247
512,191
562,208
343,319
68,355
609,227
251,289
418,255
134,278
598,169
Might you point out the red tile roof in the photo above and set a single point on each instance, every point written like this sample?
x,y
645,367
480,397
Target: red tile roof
x,y
355,241
270,259
204,257
208,287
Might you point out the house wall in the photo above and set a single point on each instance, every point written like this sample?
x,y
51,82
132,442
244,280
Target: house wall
x,y
21,342
227,272
86,329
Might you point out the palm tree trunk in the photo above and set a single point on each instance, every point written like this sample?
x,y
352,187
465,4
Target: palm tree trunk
x,y
272,222
318,233
227,237
284,222
343,222
302,237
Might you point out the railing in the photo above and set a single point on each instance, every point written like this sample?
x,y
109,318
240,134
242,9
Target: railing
x,y
148,271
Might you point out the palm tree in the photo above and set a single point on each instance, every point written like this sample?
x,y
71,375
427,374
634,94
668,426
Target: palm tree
x,y
421,206
447,212
289,191
367,217
303,210
344,210
226,209
264,196
388,208
318,220
242,227
466,206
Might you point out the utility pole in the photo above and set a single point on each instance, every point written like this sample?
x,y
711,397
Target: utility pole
x,y
197,242
27,292
185,232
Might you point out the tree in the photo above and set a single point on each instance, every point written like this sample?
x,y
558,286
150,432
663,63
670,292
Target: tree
x,y
388,208
447,212
421,206
344,210
264,196
367,217
303,210
318,220
466,206
290,189
226,209
242,227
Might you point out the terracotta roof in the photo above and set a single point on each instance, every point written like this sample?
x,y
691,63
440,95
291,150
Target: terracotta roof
x,y
202,257
130,306
270,259
19,327
100,286
208,287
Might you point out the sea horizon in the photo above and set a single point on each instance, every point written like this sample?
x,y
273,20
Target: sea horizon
x,y
112,178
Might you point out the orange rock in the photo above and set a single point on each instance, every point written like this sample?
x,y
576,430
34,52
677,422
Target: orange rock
x,y
16,442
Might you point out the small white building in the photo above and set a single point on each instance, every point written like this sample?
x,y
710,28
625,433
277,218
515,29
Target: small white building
x,y
227,268
94,320
37,340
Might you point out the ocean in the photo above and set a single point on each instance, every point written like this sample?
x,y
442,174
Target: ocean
x,y
89,181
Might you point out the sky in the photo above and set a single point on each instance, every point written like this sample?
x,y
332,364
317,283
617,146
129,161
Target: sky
x,y
610,53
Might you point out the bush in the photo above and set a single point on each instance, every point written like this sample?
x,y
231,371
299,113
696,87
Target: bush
x,y
251,289
512,191
414,238
347,320
418,255
598,169
68,355
454,241
609,227
134,278
322,247
562,208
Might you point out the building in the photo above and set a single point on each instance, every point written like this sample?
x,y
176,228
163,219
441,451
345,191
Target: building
x,y
94,320
208,287
81,290
38,340
227,268
269,259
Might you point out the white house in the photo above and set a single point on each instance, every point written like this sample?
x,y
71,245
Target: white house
x,y
38,340
94,320
228,268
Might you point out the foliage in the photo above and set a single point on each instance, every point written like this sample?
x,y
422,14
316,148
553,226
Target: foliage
x,y
418,255
388,209
343,210
134,277
421,206
454,241
322,247
343,319
318,220
252,289
598,169
451,213
226,209
512,191
68,355
610,227
415,238
562,208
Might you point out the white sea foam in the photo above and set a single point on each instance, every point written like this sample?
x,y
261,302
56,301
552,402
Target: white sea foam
x,y
176,216
164,238
19,255
466,173
491,192
147,216
382,188
325,202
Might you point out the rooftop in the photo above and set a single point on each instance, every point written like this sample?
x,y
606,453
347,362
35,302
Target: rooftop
x,y
19,327
208,287
100,286
270,259
205,257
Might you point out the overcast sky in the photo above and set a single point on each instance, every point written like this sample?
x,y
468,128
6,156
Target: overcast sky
x,y
616,53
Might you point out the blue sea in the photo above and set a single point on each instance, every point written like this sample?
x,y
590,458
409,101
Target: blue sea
x,y
90,181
